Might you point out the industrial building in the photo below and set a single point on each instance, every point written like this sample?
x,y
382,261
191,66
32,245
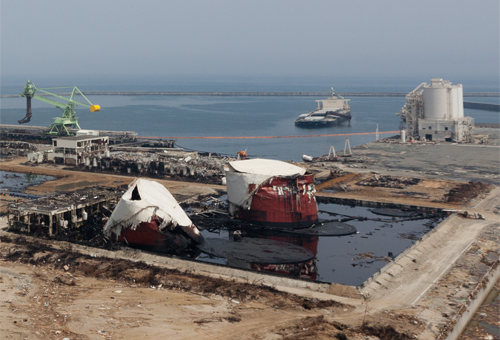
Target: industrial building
x,y
435,112
78,150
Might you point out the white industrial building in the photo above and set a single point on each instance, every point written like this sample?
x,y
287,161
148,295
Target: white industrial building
x,y
80,150
435,112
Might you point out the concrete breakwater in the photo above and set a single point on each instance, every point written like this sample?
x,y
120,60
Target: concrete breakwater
x,y
255,94
482,106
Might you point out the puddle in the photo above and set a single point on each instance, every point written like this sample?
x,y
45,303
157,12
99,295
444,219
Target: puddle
x,y
15,183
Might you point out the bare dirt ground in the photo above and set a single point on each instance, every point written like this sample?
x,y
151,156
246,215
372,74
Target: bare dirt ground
x,y
60,292
426,193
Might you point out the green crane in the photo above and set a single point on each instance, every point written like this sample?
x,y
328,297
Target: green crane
x,y
60,125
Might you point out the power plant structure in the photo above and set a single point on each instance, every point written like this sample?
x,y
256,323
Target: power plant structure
x,y
435,112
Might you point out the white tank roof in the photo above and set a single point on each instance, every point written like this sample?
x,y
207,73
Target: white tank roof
x,y
240,174
152,199
441,83
267,167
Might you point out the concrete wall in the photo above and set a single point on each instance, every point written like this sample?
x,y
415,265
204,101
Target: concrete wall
x,y
440,130
475,301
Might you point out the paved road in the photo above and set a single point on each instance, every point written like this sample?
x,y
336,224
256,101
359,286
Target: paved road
x,y
457,162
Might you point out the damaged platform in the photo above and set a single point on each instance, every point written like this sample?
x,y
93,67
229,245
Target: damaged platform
x,y
50,215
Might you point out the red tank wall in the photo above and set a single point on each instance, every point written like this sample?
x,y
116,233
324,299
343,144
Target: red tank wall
x,y
293,207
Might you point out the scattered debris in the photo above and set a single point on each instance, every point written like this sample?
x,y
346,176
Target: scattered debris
x,y
371,256
472,216
389,181
468,191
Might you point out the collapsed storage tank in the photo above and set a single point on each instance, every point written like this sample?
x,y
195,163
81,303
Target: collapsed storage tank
x,y
271,192
148,217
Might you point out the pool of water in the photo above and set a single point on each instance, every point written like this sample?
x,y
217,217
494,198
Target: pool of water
x,y
14,182
348,260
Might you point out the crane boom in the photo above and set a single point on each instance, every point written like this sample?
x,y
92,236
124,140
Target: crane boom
x,y
60,125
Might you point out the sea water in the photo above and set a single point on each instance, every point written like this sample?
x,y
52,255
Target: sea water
x,y
178,117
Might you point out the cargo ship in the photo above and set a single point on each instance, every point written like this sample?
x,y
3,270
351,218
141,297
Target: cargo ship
x,y
330,112
272,193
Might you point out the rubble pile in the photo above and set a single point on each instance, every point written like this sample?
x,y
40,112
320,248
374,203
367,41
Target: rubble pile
x,y
159,144
370,256
389,182
16,148
466,192
189,167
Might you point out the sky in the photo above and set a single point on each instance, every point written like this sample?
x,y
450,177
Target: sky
x,y
259,37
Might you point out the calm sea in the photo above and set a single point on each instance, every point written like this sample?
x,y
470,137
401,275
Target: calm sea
x,y
195,116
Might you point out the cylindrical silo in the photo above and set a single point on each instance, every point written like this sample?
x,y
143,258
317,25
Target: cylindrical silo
x,y
435,100
460,99
453,103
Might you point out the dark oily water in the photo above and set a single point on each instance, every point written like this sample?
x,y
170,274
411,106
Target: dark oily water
x,y
348,260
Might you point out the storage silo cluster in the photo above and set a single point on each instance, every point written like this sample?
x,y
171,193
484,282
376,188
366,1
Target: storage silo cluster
x,y
435,112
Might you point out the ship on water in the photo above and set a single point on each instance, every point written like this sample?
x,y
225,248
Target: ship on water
x,y
330,112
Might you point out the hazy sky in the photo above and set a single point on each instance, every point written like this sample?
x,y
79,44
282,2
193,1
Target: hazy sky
x,y
259,37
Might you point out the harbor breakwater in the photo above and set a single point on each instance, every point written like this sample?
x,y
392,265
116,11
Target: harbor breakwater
x,y
255,94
